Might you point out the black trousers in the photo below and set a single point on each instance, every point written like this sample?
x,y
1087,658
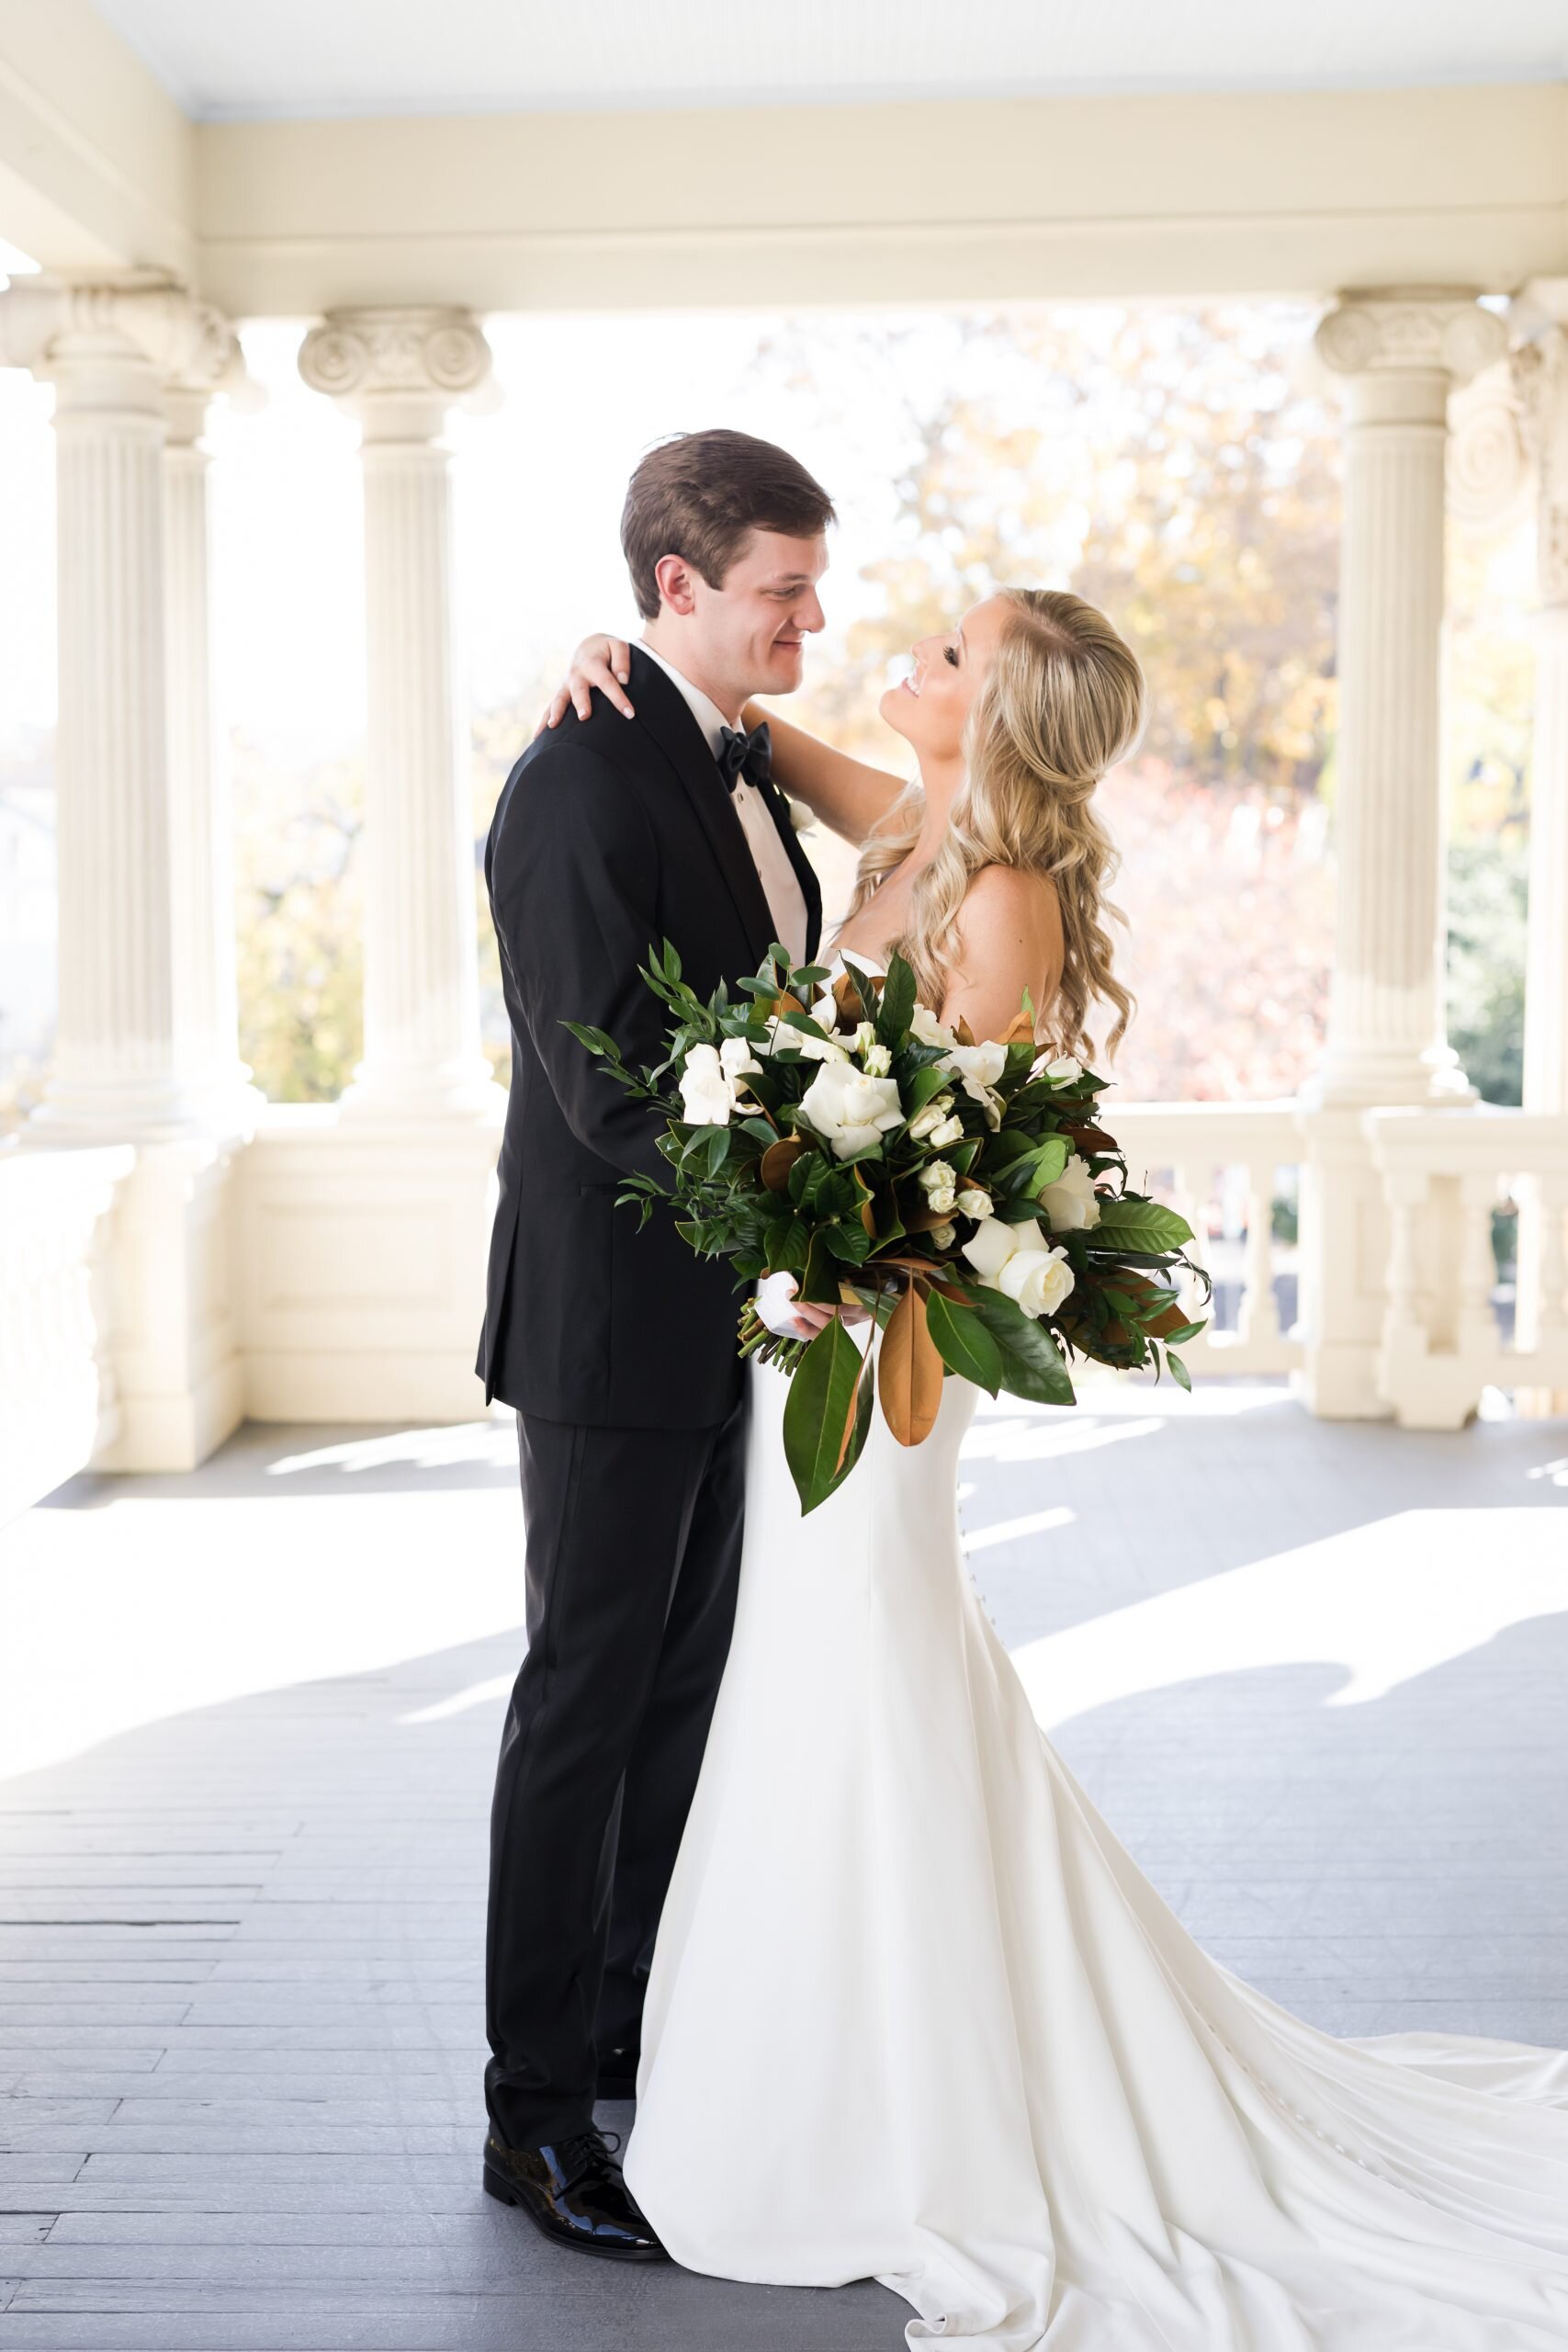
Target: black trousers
x,y
633,1557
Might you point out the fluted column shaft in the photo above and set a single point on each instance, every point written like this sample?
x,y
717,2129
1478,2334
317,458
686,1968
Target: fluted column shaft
x,y
134,924
1400,357
399,372
115,1071
201,867
1541,375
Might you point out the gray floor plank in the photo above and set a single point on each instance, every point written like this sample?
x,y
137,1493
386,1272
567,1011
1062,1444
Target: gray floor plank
x,y
241,1948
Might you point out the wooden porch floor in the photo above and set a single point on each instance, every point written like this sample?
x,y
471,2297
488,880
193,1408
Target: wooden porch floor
x,y
1312,1674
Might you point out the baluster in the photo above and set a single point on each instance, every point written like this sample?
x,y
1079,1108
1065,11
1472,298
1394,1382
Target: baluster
x,y
1404,1321
1258,1321
1475,1326
1190,1202
1552,1195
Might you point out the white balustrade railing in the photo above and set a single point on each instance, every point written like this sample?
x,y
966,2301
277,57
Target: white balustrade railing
x,y
57,1400
1219,1164
1444,1175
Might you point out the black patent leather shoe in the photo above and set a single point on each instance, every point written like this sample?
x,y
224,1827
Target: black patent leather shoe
x,y
617,2074
572,2193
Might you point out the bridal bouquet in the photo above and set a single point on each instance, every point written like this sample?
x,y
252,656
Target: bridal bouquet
x,y
964,1193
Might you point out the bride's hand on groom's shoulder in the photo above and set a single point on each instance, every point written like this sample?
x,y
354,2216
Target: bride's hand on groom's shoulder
x,y
605,662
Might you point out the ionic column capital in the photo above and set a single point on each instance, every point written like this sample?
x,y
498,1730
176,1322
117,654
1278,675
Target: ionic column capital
x,y
1411,330
1540,379
142,329
399,371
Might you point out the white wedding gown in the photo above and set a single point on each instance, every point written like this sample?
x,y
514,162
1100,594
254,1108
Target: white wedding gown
x,y
916,2015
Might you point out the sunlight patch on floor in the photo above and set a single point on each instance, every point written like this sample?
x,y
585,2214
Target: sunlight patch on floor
x,y
119,1616
1387,1602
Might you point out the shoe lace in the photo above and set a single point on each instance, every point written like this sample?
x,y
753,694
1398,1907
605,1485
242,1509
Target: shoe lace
x,y
587,2151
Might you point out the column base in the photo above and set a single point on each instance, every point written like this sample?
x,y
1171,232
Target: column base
x,y
364,1246
179,1375
465,1092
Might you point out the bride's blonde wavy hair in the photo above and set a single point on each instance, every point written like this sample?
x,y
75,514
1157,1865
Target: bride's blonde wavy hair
x,y
1062,702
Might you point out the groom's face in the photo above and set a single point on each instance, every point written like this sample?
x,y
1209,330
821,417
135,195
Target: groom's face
x,y
754,627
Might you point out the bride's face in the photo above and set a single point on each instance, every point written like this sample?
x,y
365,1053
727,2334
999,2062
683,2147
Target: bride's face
x,y
931,704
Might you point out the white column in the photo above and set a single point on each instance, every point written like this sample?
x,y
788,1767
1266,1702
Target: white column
x,y
200,821
1400,354
1541,374
399,372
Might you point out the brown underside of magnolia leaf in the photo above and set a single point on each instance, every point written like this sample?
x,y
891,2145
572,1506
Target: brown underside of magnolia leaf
x,y
909,1375
778,1159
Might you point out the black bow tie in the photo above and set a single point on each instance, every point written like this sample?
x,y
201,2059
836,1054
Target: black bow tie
x,y
741,755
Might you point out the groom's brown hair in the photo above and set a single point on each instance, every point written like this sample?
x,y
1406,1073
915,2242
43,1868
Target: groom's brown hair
x,y
702,494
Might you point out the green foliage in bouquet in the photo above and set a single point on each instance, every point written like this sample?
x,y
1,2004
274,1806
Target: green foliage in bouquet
x,y
964,1193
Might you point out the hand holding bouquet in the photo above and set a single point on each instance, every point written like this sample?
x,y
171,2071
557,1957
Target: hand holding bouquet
x,y
965,1193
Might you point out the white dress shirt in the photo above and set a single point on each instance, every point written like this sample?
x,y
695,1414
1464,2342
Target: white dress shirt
x,y
781,884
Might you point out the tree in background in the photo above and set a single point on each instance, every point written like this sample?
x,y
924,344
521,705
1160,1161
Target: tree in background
x,y
300,967
1166,464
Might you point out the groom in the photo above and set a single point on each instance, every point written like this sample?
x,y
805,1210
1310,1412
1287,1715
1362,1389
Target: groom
x,y
618,1348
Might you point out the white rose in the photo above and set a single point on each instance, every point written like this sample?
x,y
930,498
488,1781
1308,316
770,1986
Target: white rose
x,y
1036,1280
972,1201
864,1039
925,1123
848,1110
736,1058
978,1065
943,1235
994,1241
707,1097
1071,1204
878,1062
936,1176
925,1026
990,1247
1064,1068
950,1131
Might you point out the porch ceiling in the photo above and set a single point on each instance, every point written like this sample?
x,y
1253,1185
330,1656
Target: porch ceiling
x,y
229,61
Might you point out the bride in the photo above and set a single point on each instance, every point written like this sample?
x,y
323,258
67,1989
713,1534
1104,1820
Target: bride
x,y
987,2065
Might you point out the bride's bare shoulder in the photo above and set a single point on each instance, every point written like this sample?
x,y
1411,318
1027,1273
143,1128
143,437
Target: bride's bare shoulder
x,y
1007,938
1013,902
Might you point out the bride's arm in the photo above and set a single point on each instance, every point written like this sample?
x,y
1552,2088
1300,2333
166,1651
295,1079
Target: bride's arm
x,y
1008,939
847,794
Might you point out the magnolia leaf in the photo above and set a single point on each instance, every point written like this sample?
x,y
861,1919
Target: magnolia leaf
x,y
778,1159
1138,1225
963,1341
848,997
897,1008
923,1085
908,1373
961,1030
858,1426
1019,1031
1032,1364
818,1410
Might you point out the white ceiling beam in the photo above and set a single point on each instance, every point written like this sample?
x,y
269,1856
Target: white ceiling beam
x,y
95,160
931,200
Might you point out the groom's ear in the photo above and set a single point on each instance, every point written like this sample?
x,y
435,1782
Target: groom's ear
x,y
676,583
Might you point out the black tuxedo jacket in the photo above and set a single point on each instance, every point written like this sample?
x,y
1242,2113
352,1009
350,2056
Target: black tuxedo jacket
x,y
610,835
